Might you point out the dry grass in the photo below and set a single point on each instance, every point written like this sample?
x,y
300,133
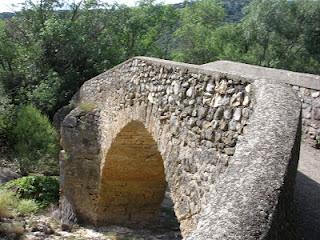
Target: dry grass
x,y
8,201
10,205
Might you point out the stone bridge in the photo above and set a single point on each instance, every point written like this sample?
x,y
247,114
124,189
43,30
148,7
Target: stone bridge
x,y
225,144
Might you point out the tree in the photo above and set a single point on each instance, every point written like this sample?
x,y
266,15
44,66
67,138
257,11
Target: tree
x,y
198,22
6,112
35,141
275,34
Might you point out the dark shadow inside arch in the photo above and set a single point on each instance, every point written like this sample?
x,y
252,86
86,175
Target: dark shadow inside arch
x,y
133,186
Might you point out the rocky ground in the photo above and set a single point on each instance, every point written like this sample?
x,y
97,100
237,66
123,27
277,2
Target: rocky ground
x,y
41,227
45,226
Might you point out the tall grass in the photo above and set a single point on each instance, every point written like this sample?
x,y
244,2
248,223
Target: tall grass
x,y
11,205
8,202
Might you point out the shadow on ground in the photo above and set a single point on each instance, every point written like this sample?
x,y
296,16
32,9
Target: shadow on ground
x,y
307,205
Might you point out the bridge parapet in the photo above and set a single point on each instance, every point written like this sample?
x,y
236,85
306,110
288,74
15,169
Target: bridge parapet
x,y
307,87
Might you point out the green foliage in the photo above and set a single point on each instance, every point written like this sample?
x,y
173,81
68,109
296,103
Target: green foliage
x,y
273,34
27,206
44,190
233,9
6,112
194,35
278,33
11,205
318,142
35,141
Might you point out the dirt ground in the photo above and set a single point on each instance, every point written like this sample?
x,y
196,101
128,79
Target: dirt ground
x,y
307,193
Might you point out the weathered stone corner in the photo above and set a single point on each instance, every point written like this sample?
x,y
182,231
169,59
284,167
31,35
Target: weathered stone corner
x,y
227,147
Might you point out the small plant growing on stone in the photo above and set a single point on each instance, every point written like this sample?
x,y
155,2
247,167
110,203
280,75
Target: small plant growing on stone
x,y
87,106
318,142
65,155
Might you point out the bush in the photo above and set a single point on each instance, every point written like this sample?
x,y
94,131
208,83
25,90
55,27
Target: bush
x,y
36,142
44,190
27,206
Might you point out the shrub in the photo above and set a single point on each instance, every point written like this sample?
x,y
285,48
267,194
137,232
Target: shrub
x,y
27,206
44,190
8,202
36,141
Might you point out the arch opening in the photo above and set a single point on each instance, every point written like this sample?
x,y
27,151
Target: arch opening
x,y
133,180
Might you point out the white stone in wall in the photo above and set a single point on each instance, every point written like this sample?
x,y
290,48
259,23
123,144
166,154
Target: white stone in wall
x,y
315,94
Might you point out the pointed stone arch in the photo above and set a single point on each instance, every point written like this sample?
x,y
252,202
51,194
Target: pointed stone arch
x,y
132,183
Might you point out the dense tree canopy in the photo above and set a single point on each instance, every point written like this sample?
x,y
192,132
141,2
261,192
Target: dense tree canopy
x,y
47,52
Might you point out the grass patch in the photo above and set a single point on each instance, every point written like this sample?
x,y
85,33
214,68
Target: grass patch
x,y
87,106
27,207
11,205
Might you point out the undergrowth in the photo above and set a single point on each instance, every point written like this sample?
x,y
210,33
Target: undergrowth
x,y
43,190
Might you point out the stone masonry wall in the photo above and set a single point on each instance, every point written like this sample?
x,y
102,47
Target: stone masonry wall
x,y
310,111
307,87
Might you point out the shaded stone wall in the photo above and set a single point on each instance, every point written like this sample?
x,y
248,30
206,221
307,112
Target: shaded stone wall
x,y
219,170
310,99
133,181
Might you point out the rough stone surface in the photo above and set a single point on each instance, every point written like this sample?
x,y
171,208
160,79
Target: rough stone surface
x,y
154,121
307,87
7,174
246,201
